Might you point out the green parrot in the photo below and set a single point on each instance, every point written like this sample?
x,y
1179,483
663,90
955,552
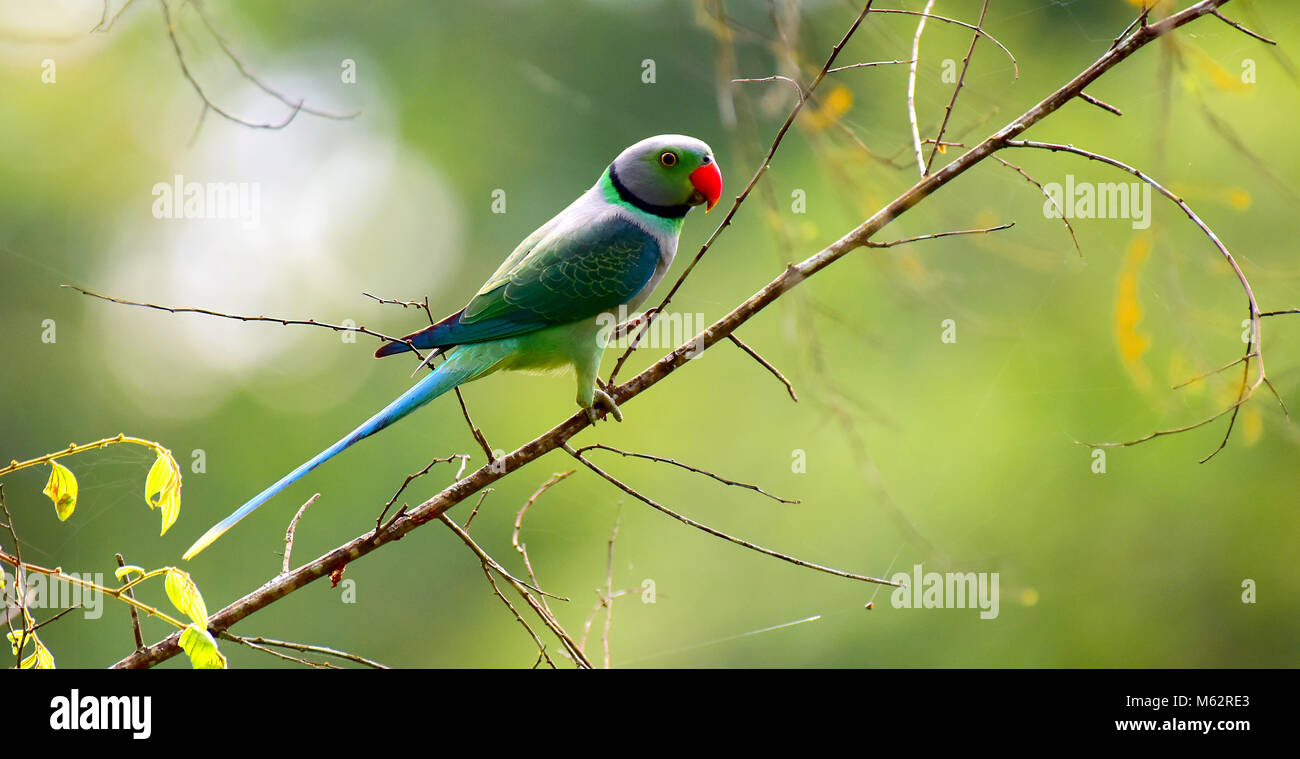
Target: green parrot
x,y
547,305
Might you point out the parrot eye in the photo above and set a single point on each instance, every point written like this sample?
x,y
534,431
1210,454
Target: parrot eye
x,y
668,159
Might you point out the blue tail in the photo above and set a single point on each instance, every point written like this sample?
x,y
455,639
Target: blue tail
x,y
459,368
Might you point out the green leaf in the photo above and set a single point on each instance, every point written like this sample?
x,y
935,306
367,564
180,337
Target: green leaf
x,y
200,646
62,489
184,594
162,488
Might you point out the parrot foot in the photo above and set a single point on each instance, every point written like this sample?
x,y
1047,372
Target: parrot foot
x,y
604,402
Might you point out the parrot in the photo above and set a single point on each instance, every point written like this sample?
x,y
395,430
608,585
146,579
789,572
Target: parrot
x,y
547,306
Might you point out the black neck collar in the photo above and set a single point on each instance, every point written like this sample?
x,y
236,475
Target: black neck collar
x,y
667,212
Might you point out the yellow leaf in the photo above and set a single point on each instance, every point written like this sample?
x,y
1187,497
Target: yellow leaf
x,y
836,104
1128,312
62,489
1252,426
200,646
129,569
1157,7
40,658
1240,199
184,594
162,488
1220,77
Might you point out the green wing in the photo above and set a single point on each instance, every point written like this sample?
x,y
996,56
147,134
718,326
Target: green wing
x,y
551,278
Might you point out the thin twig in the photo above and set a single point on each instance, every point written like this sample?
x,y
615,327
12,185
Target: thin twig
x,y
474,512
20,582
1014,64
464,459
312,649
135,618
937,235
1068,226
293,527
105,24
243,71
715,532
239,317
867,64
226,634
609,585
207,102
519,545
539,607
1254,344
961,82
473,428
421,304
1100,103
541,647
687,467
1243,29
911,87
766,365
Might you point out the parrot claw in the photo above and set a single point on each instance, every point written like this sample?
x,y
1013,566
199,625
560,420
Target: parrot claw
x,y
604,402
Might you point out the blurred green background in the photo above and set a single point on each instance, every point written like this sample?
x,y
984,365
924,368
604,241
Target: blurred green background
x,y
958,456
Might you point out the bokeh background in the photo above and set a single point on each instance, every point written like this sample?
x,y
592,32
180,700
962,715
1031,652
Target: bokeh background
x,y
958,456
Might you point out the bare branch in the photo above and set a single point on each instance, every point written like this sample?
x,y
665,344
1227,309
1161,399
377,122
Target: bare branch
x,y
715,532
135,618
1253,347
867,64
421,304
961,82
244,72
293,528
766,365
1069,227
208,105
976,29
522,588
937,235
479,437
237,317
1100,103
519,545
911,86
464,460
680,465
1243,29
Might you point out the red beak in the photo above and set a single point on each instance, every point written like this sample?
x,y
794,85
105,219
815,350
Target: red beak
x,y
708,180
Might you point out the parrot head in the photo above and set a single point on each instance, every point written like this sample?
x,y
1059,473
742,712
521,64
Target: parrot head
x,y
669,171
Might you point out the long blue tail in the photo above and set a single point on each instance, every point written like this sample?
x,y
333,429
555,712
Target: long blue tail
x,y
459,368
